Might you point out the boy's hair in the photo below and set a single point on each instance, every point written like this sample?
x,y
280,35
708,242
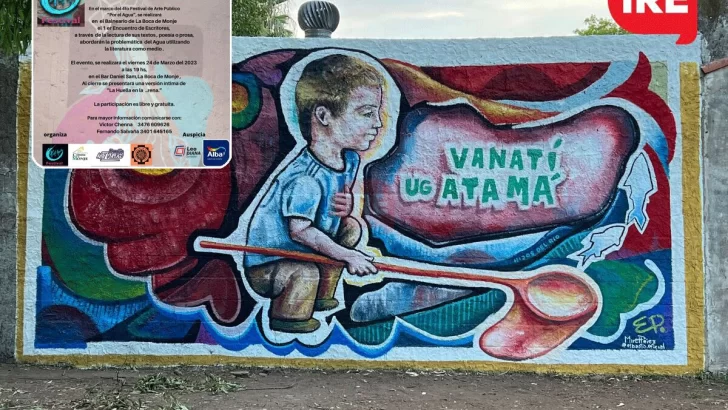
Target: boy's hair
x,y
329,82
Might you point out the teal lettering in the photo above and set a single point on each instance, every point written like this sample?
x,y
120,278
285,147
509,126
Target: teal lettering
x,y
490,192
412,190
459,162
478,160
552,160
496,158
517,160
543,189
450,189
426,187
518,186
535,155
470,184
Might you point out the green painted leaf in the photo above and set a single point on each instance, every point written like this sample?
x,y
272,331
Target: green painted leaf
x,y
623,286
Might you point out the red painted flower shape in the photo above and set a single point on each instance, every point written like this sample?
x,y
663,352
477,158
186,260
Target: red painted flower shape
x,y
147,222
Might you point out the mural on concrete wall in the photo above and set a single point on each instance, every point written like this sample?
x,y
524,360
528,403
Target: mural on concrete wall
x,y
377,208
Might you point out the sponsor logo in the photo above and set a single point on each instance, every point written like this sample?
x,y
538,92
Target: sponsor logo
x,y
215,152
193,152
141,154
657,17
111,155
80,154
184,151
55,155
60,13
59,7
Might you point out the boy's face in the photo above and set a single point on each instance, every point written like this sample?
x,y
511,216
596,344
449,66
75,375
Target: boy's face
x,y
359,124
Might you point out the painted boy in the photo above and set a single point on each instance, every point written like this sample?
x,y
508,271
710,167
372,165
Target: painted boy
x,y
308,206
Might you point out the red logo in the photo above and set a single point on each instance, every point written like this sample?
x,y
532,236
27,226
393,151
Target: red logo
x,y
657,17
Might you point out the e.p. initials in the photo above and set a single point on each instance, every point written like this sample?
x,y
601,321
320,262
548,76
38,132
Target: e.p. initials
x,y
657,17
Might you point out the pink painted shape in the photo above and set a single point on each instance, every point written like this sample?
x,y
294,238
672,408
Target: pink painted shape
x,y
595,149
522,335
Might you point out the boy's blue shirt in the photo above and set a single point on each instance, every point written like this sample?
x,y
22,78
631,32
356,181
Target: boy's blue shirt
x,y
304,189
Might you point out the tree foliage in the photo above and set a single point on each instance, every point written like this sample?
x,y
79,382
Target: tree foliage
x,y
596,26
261,18
712,9
15,26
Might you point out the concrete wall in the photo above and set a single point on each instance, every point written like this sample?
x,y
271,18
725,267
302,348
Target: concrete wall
x,y
8,202
714,27
593,180
715,103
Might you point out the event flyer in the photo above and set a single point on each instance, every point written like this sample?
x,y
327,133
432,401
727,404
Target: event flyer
x,y
131,83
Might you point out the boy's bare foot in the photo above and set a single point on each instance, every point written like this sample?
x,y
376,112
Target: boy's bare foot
x,y
294,326
325,304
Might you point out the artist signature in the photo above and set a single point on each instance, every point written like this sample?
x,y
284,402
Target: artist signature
x,y
641,343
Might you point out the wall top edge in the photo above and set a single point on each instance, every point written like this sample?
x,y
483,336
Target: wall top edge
x,y
523,50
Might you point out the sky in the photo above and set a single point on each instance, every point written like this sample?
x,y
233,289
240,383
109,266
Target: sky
x,y
460,18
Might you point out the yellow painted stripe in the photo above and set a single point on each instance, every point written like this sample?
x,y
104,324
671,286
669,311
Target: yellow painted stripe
x,y
693,212
23,141
86,361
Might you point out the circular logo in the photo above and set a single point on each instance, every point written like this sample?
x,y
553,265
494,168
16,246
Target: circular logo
x,y
54,153
141,154
58,7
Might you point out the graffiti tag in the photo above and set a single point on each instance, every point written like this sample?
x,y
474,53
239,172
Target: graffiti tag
x,y
646,324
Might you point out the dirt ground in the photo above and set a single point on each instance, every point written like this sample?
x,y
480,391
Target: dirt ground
x,y
26,387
